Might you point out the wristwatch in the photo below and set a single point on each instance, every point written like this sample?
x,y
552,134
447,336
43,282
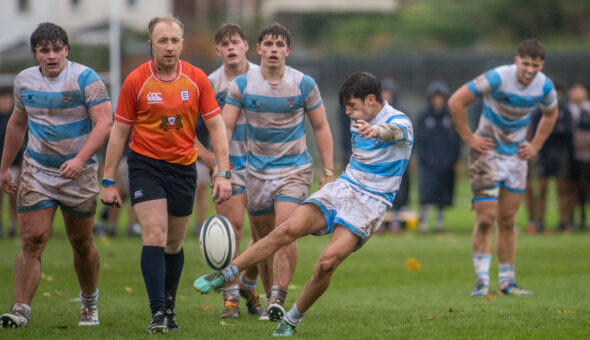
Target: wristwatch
x,y
226,174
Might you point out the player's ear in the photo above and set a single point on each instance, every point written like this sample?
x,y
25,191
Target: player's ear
x,y
246,44
258,49
516,58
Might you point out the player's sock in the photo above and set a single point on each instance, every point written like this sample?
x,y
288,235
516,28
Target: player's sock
x,y
505,274
230,272
293,317
248,283
174,265
231,292
153,267
424,218
481,264
90,300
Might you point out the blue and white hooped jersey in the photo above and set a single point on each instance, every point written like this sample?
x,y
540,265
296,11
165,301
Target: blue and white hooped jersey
x,y
237,148
57,112
275,115
376,166
508,105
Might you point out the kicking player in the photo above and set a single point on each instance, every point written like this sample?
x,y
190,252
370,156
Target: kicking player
x,y
67,110
160,101
499,150
351,208
231,47
275,99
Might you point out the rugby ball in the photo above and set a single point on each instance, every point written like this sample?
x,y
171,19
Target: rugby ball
x,y
217,241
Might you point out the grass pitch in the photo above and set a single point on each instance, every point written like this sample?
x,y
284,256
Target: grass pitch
x,y
373,294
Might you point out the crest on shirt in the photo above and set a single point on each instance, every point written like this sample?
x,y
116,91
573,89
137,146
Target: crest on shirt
x,y
184,95
171,122
66,98
291,102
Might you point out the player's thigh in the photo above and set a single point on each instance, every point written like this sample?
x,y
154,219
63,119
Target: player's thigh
x,y
263,224
153,218
283,210
508,204
177,226
306,219
234,210
78,228
35,226
342,244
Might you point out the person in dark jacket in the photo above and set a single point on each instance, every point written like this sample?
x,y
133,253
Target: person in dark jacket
x,y
555,160
437,144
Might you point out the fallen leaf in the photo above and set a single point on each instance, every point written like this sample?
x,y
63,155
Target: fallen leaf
x,y
431,317
48,294
205,308
490,298
293,287
57,292
49,278
223,323
105,265
180,297
128,289
412,264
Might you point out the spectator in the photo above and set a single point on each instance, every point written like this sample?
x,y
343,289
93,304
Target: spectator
x,y
579,107
438,145
555,160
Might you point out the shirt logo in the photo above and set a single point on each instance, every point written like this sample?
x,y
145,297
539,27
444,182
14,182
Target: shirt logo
x,y
154,97
65,98
171,122
291,102
184,95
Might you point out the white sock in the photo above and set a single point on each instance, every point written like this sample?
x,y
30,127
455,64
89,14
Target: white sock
x,y
505,274
481,264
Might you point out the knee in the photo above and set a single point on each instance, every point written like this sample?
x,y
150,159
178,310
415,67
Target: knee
x,y
286,232
326,266
485,221
154,235
34,242
82,246
506,222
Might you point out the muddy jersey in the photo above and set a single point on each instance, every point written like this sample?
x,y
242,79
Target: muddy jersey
x,y
507,105
275,115
237,148
57,112
376,167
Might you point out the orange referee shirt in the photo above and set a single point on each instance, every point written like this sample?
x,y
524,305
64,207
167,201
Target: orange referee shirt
x,y
164,113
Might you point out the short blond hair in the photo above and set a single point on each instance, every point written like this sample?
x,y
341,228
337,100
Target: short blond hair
x,y
168,19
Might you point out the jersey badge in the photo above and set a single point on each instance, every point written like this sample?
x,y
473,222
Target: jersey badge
x,y
184,95
65,98
171,122
291,102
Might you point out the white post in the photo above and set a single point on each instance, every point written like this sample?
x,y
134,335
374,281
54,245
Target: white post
x,y
114,52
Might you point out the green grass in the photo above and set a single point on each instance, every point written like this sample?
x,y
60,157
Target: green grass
x,y
372,294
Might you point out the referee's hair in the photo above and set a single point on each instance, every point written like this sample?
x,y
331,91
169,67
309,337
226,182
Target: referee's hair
x,y
360,85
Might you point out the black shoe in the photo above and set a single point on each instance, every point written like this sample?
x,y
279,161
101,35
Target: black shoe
x,y
159,323
172,324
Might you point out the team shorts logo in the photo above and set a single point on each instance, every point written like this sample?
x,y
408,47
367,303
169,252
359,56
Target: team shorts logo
x,y
154,97
171,122
138,193
184,95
